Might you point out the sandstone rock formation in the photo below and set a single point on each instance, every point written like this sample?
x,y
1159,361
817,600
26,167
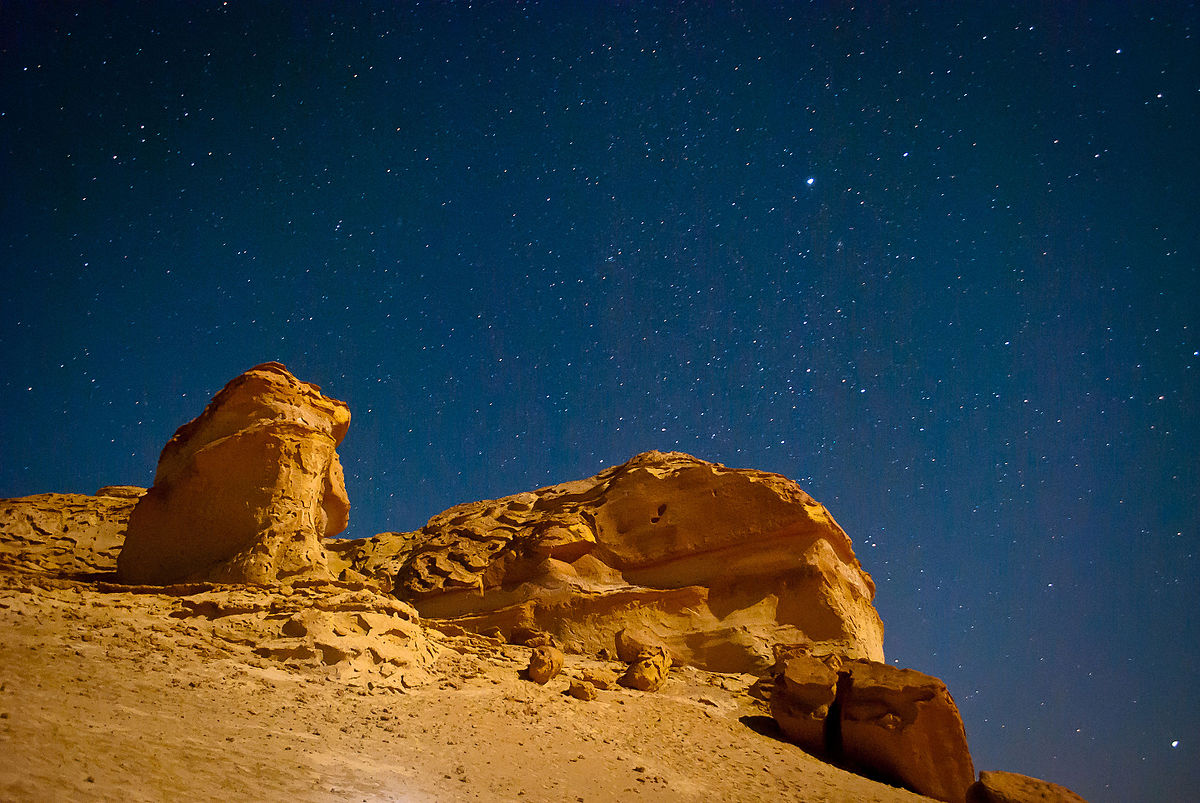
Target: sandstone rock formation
x,y
245,492
66,533
1009,787
58,553
716,564
898,725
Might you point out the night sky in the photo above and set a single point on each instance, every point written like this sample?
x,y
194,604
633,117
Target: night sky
x,y
936,262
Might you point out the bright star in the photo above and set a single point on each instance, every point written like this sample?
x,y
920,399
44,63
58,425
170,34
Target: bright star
x,y
809,181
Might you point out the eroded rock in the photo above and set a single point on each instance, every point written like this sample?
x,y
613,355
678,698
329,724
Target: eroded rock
x,y
715,564
649,670
245,492
544,664
65,534
352,634
804,692
904,726
1009,787
897,725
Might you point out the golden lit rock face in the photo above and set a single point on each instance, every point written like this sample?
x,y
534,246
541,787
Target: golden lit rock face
x,y
716,564
246,492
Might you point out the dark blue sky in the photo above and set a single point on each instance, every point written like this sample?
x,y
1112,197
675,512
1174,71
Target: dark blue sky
x,y
939,264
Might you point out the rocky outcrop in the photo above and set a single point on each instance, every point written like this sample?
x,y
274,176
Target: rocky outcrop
x,y
715,564
66,534
897,725
1009,787
245,492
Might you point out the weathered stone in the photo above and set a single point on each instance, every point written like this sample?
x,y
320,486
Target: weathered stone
x,y
582,690
544,664
1009,787
804,691
631,643
714,564
122,491
65,534
353,634
245,492
606,681
649,671
901,725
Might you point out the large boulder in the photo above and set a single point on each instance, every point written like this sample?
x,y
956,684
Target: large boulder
x,y
804,692
1009,787
896,725
904,726
715,564
246,492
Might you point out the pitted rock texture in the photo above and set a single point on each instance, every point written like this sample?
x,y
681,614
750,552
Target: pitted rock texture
x,y
544,664
245,492
716,564
350,632
66,534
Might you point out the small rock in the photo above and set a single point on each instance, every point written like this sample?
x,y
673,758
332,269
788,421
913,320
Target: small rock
x,y
545,663
649,671
582,690
599,679
632,642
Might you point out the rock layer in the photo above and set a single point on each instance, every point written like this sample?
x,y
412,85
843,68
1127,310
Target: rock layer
x,y
714,563
245,492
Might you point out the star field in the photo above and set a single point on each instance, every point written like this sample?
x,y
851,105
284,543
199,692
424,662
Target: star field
x,y
940,265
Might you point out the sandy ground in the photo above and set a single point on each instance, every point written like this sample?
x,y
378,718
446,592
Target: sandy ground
x,y
106,696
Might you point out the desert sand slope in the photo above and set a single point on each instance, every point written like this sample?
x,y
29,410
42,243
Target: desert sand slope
x,y
199,693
